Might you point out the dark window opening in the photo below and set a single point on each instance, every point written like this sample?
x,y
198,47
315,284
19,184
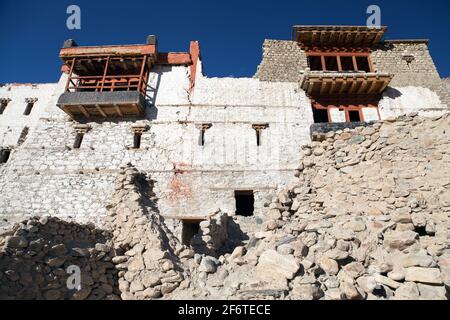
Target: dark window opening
x,y
258,137
3,106
354,116
190,229
201,138
245,203
347,64
363,64
23,135
331,64
137,140
320,115
4,155
315,63
28,109
78,140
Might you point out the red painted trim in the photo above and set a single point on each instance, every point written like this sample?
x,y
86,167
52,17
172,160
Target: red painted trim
x,y
195,56
174,58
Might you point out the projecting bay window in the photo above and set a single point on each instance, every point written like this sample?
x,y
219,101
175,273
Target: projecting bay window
x,y
107,81
108,74
340,62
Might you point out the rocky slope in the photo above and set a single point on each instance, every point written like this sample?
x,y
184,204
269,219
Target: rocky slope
x,y
367,219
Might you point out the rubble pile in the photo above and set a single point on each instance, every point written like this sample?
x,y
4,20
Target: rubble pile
x,y
368,219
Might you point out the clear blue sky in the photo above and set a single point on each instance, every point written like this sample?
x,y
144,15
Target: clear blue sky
x,y
230,32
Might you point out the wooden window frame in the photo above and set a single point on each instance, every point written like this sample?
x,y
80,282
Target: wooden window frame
x,y
338,56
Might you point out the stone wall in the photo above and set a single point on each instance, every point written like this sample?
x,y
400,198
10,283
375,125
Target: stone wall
x,y
282,61
13,120
411,64
36,257
46,175
213,233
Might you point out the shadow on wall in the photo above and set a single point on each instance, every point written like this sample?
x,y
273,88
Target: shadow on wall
x,y
391,93
36,255
152,92
236,238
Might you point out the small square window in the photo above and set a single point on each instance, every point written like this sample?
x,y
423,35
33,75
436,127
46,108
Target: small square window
x,y
245,203
353,116
320,115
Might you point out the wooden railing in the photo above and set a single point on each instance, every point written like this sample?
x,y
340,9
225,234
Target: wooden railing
x,y
108,83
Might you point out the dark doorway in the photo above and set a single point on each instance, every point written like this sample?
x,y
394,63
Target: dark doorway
x,y
190,229
320,115
353,116
245,203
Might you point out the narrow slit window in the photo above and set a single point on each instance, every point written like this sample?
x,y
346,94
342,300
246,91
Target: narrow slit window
x,y
201,138
3,106
23,135
137,140
4,155
28,109
78,140
258,137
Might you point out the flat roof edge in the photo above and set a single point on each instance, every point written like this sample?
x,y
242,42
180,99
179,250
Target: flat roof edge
x,y
426,41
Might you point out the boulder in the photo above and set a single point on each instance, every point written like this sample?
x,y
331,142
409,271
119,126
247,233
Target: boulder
x,y
276,265
399,240
328,265
424,275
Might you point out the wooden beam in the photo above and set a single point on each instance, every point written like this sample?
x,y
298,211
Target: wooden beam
x,y
105,73
100,110
362,87
84,111
119,112
70,75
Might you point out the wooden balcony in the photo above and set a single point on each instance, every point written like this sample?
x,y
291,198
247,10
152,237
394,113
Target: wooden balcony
x,y
328,84
106,82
